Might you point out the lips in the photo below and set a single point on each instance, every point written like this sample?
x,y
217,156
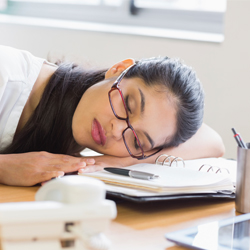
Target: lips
x,y
98,133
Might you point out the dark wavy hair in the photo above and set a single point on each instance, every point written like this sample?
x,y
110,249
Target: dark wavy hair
x,y
182,87
50,126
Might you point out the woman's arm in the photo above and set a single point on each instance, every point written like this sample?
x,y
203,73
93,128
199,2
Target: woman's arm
x,y
205,143
28,169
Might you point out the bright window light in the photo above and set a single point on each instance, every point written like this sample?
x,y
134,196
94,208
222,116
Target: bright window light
x,y
181,19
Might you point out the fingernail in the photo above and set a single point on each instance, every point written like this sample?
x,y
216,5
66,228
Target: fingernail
x,y
82,164
83,170
60,174
92,161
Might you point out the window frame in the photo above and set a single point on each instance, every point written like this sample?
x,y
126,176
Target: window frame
x,y
171,22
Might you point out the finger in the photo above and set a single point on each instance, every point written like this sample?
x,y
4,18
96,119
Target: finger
x,y
90,169
59,158
66,167
71,167
70,160
58,177
66,163
48,175
90,161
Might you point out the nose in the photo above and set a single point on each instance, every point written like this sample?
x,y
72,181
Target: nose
x,y
118,126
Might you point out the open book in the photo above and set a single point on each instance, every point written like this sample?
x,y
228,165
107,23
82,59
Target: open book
x,y
195,177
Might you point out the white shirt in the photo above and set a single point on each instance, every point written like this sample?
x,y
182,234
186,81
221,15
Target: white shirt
x,y
18,73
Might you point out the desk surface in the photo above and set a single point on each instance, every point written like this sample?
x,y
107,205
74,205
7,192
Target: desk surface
x,y
142,226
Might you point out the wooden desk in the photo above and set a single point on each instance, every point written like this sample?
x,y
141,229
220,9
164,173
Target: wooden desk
x,y
142,226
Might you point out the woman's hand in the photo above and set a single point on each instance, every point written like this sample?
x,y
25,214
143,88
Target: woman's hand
x,y
104,161
28,169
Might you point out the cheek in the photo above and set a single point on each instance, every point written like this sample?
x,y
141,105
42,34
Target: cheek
x,y
78,128
81,123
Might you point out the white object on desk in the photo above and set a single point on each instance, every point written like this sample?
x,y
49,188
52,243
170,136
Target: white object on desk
x,y
172,180
70,213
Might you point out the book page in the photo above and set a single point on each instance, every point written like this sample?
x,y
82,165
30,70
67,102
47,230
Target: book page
x,y
228,167
172,179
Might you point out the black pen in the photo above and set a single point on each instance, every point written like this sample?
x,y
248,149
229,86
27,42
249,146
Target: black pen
x,y
132,173
238,139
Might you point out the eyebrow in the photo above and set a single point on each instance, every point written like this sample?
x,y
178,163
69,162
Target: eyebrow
x,y
142,111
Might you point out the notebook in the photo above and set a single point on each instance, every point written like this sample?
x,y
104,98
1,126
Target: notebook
x,y
208,177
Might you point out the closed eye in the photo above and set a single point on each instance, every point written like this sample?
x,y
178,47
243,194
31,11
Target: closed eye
x,y
127,105
136,144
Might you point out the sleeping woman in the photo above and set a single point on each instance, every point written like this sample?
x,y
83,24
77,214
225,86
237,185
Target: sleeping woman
x,y
130,113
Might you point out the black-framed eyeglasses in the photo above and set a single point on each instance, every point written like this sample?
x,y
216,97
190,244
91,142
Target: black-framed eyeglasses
x,y
120,110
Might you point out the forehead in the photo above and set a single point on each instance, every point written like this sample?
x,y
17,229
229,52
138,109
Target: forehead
x,y
160,112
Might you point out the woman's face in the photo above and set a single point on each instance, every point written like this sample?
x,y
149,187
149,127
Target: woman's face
x,y
151,114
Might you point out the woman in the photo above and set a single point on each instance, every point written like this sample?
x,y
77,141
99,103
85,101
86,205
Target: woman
x,y
132,111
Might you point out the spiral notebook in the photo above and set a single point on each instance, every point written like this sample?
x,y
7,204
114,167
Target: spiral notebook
x,y
208,177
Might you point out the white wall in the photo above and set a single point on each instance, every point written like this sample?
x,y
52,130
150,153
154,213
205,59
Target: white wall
x,y
224,69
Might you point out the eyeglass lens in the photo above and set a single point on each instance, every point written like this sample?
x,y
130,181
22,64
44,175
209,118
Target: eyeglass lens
x,y
120,111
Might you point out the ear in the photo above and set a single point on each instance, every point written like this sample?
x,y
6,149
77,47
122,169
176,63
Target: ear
x,y
117,69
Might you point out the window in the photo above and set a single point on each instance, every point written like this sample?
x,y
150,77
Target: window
x,y
183,19
3,4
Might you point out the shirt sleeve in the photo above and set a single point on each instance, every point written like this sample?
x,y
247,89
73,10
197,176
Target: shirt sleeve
x,y
19,70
